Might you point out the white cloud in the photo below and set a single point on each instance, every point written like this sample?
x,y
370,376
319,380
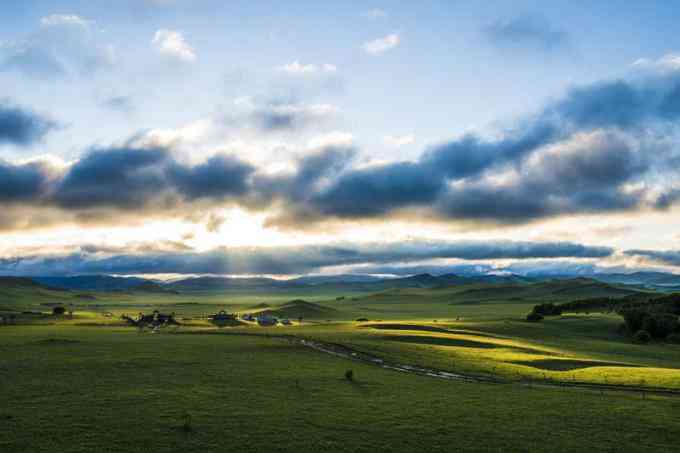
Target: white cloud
x,y
191,133
375,13
64,19
307,110
336,138
382,45
400,140
63,45
172,44
667,63
298,69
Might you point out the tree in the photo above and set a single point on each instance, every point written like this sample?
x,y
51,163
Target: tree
x,y
534,317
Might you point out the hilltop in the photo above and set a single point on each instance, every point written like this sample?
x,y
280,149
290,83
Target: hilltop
x,y
302,309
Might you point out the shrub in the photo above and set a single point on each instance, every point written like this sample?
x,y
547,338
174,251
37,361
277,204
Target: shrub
x,y
534,317
642,337
58,310
362,320
673,338
349,375
548,309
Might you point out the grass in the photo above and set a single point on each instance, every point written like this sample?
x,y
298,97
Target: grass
x,y
80,389
88,383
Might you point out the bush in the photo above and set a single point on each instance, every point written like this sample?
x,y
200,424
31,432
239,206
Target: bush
x,y
548,310
673,338
58,310
349,375
642,337
534,317
361,320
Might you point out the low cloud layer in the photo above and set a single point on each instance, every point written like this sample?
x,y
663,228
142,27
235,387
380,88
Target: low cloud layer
x,y
284,260
664,257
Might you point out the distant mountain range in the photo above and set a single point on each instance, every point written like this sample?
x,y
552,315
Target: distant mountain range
x,y
651,280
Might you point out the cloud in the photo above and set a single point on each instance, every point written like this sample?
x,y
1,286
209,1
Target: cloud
x,y
603,147
667,257
292,116
214,223
526,32
22,127
375,13
401,140
381,45
667,63
147,178
284,260
24,182
172,44
63,45
57,20
297,69
119,103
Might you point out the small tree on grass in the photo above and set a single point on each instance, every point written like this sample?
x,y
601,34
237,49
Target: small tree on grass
x,y
349,375
59,310
186,423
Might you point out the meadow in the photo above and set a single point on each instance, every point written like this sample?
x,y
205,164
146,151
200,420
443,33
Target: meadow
x,y
92,383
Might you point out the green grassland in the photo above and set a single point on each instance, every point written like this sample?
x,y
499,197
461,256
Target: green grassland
x,y
91,383
86,389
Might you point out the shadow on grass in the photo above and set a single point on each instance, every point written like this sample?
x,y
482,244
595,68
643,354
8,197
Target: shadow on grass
x,y
56,341
424,328
458,342
569,365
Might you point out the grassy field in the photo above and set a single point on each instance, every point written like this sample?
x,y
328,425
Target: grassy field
x,y
70,389
90,383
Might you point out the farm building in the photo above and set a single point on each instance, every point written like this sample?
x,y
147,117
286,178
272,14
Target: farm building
x,y
266,319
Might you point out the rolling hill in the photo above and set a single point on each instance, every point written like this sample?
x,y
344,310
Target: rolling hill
x,y
302,309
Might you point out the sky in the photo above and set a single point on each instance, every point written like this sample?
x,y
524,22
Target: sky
x,y
191,137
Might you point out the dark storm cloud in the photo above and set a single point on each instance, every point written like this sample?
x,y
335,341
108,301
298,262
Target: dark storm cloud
x,y
131,178
20,183
218,177
601,148
578,155
114,178
288,260
297,186
526,32
622,104
20,126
